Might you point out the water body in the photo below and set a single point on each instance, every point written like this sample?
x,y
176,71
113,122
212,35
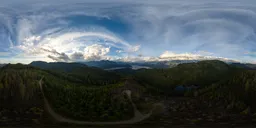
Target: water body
x,y
137,67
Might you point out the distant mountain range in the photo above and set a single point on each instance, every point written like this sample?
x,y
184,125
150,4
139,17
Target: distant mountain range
x,y
88,75
106,64
113,65
246,65
117,65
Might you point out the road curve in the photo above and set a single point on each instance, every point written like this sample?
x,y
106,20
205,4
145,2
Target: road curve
x,y
138,116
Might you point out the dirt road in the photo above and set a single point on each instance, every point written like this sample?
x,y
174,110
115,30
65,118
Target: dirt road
x,y
138,116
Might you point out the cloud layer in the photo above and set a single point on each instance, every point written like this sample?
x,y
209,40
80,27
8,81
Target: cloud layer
x,y
81,30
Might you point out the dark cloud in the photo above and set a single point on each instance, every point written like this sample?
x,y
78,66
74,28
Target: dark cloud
x,y
62,57
53,51
77,56
56,56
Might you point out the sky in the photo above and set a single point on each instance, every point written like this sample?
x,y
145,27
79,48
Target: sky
x,y
122,30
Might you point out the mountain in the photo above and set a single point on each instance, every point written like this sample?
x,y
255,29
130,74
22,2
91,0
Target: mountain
x,y
116,65
244,65
148,65
89,75
58,66
20,96
22,100
237,93
18,84
162,64
106,64
206,89
112,65
201,73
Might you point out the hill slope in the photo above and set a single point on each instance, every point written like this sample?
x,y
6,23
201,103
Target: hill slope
x,y
89,75
20,96
222,88
244,66
202,73
238,92
106,64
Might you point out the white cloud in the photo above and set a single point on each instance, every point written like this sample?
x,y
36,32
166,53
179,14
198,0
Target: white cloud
x,y
24,29
30,41
167,55
134,48
4,54
204,53
96,52
119,51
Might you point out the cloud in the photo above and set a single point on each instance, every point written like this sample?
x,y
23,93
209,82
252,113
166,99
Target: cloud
x,y
4,54
119,51
53,51
55,55
74,42
62,57
167,55
183,56
197,29
77,56
96,52
32,39
170,56
204,53
134,49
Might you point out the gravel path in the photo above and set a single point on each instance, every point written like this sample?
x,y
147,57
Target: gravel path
x,y
138,116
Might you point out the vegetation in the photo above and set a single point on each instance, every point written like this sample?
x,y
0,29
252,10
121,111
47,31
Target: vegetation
x,y
90,104
237,93
19,91
84,93
20,97
18,86
87,75
201,74
106,64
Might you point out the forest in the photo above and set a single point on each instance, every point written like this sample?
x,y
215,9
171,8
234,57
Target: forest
x,y
68,94
92,94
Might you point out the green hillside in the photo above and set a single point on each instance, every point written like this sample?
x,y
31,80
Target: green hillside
x,y
221,89
202,73
237,93
21,97
88,75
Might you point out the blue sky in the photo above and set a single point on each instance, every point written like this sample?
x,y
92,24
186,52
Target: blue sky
x,y
84,30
